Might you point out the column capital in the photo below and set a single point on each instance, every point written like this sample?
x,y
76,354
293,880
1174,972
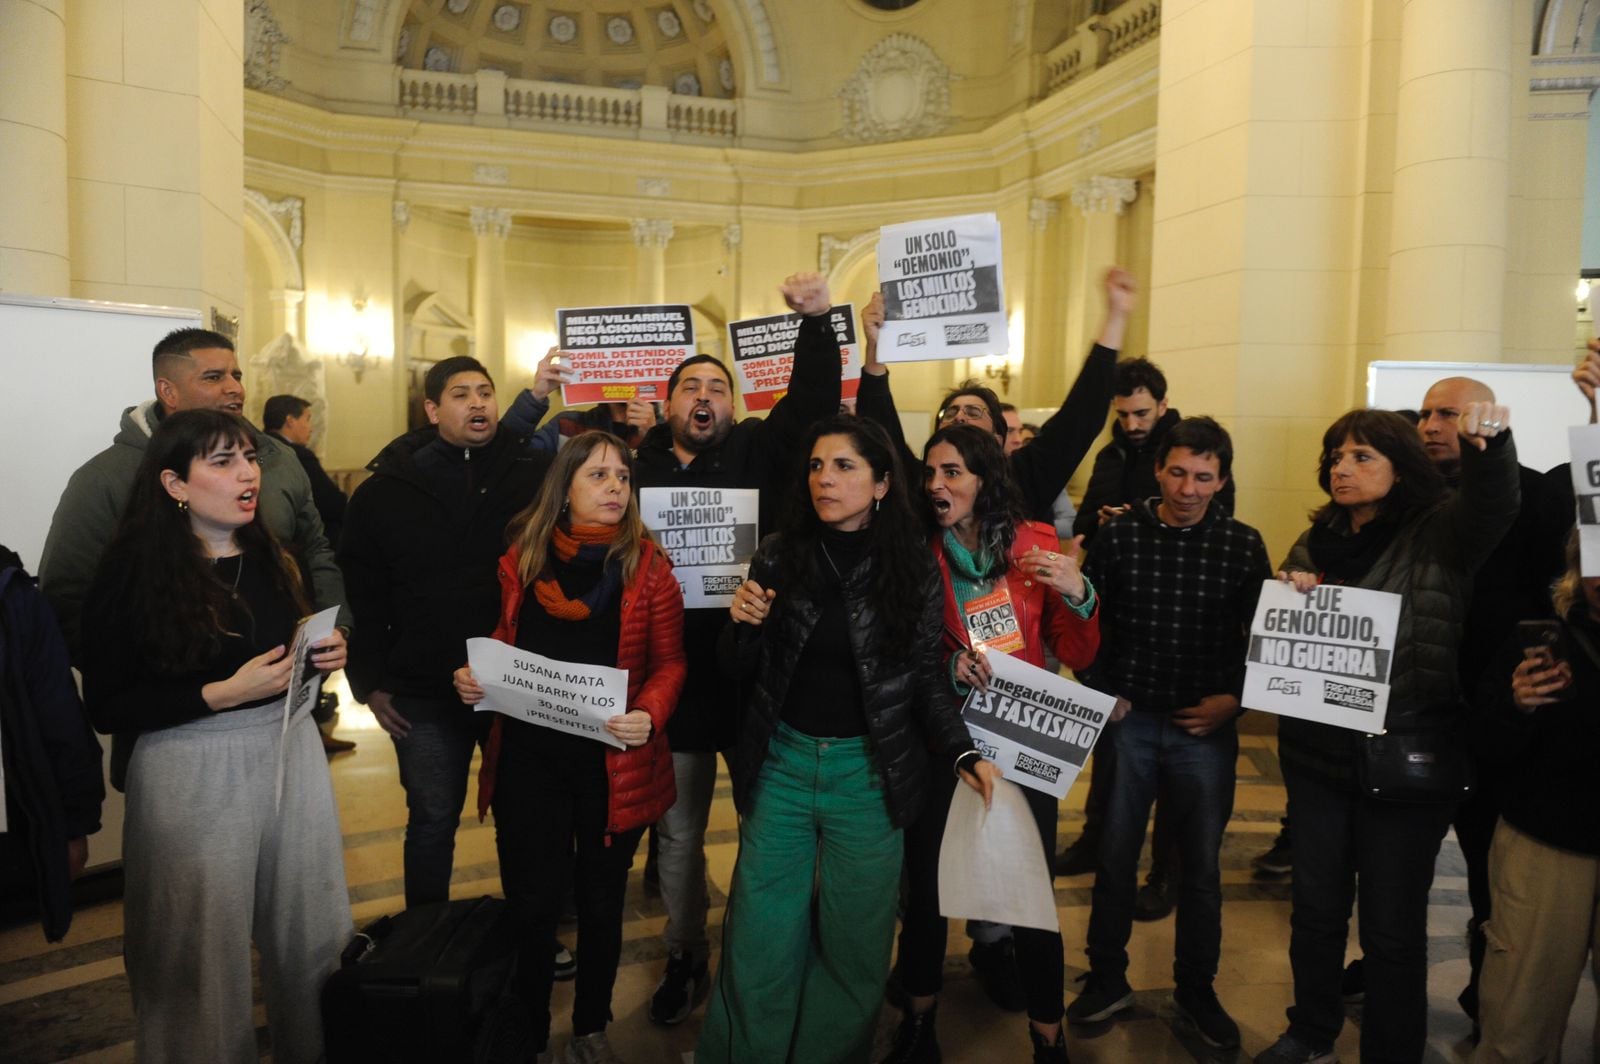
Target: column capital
x,y
732,236
491,221
1040,211
402,215
652,232
1104,195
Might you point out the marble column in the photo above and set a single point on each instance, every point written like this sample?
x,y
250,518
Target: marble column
x,y
651,236
1447,250
35,254
492,226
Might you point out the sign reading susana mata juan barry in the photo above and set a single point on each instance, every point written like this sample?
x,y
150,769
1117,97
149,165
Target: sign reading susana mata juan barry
x,y
1036,726
710,535
622,353
563,695
1322,655
942,296
763,353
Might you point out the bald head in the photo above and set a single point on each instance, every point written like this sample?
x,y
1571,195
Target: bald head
x,y
1436,421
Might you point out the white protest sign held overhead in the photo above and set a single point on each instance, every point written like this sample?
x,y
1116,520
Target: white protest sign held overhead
x,y
1036,726
1323,655
563,695
991,865
622,353
942,292
710,535
763,354
1585,444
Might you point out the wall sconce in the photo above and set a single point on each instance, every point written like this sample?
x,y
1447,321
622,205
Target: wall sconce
x,y
358,357
1001,373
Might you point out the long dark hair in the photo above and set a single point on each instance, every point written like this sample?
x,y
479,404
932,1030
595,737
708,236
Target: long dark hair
x,y
1418,484
156,577
899,562
998,505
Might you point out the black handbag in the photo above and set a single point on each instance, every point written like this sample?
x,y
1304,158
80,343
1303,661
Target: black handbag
x,y
1429,765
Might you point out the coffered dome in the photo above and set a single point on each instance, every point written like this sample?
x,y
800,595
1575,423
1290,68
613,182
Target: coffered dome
x,y
624,44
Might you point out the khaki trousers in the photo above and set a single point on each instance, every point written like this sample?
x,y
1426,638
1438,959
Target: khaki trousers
x,y
1545,923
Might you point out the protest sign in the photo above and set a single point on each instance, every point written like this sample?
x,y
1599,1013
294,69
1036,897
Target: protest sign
x,y
305,682
1584,441
763,354
563,695
942,296
991,866
622,353
1036,726
710,535
1322,655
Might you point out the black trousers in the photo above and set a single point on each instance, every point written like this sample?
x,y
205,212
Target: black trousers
x,y
924,934
550,819
1350,848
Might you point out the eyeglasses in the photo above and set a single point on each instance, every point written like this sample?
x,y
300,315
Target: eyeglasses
x,y
971,413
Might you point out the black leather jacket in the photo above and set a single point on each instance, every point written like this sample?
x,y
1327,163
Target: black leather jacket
x,y
909,710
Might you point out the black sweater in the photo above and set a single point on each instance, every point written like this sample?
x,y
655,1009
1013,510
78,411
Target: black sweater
x,y
124,693
824,699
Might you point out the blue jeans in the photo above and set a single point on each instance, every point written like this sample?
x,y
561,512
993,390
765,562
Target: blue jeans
x,y
1350,848
434,762
1197,775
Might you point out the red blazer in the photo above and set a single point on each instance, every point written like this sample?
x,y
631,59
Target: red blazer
x,y
650,647
1045,619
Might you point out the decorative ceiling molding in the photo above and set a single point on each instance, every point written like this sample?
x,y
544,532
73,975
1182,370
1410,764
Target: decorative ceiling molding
x,y
491,221
766,41
900,90
833,251
282,222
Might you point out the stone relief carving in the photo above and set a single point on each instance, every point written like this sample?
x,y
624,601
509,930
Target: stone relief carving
x,y
652,232
402,215
563,29
732,236
668,23
703,9
262,39
1102,195
725,74
619,29
900,90
485,174
1089,139
1040,211
654,186
437,59
832,250
288,212
686,84
282,368
491,221
364,18
402,45
507,17
457,6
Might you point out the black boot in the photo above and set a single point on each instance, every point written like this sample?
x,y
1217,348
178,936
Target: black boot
x,y
916,1042
1049,1052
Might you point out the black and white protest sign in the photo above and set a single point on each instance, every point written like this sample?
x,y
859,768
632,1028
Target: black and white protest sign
x,y
621,353
1323,655
942,296
763,353
563,695
1036,726
305,681
710,535
1585,443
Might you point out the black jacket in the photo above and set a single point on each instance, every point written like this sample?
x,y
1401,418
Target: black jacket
x,y
1043,467
909,708
1125,473
421,571
758,453
54,785
325,494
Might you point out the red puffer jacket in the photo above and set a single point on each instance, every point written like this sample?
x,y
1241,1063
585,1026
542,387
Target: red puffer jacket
x,y
1040,611
650,647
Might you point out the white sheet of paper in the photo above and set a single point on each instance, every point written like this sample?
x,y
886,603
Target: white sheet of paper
x,y
1323,656
1584,441
991,862
554,694
303,688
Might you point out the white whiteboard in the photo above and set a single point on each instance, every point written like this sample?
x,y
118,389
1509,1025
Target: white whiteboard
x,y
1543,399
74,365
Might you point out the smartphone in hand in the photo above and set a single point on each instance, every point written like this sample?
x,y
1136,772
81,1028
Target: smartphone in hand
x,y
1543,639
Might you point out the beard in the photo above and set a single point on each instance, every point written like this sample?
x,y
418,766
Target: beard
x,y
695,437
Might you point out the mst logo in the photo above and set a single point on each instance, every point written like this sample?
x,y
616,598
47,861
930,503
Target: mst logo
x,y
1349,696
1041,770
974,333
911,340
1278,683
988,751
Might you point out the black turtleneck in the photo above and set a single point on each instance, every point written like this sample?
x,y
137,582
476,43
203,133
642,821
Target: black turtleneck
x,y
824,697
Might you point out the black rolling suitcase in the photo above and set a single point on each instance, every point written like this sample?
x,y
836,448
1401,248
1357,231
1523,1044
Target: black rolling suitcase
x,y
430,984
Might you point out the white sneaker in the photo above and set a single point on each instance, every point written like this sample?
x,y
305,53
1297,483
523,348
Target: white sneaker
x,y
591,1049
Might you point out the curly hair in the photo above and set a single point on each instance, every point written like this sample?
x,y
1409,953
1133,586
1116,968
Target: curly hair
x,y
1418,483
156,573
998,505
899,565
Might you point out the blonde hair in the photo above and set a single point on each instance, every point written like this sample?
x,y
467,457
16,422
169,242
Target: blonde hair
x,y
1567,591
532,529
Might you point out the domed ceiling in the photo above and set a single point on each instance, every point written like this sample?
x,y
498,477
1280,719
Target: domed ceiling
x,y
623,44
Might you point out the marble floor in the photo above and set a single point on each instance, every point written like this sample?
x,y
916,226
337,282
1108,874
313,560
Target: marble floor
x,y
69,1001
